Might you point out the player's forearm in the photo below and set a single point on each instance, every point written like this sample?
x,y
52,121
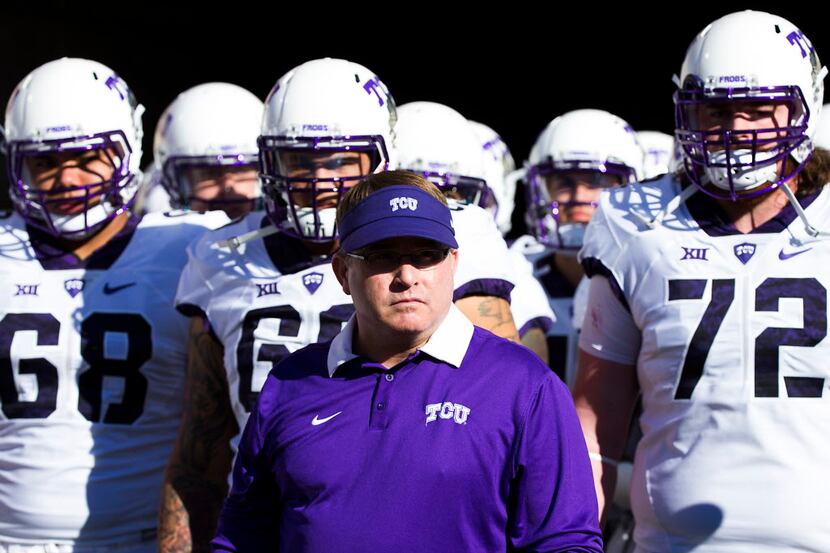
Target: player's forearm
x,y
604,397
174,523
198,470
490,313
190,508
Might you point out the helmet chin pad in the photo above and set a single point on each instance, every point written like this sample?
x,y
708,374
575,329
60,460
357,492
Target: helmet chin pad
x,y
318,225
737,170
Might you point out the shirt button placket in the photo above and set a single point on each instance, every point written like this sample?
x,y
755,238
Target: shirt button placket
x,y
380,409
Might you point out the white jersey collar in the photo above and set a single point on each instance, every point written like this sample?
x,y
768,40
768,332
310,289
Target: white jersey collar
x,y
448,343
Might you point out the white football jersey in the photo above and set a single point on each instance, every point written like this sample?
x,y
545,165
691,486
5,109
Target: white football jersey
x,y
563,334
269,297
92,365
732,368
484,264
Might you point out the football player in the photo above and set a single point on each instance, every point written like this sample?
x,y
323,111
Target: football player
x,y
708,298
577,155
205,149
263,286
528,302
91,351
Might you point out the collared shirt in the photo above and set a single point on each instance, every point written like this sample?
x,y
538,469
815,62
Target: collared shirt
x,y
448,343
470,444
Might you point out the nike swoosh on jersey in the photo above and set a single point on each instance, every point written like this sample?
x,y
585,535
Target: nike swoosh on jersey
x,y
784,256
112,290
318,422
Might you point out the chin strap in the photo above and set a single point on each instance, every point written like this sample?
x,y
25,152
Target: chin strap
x,y
236,241
808,228
673,205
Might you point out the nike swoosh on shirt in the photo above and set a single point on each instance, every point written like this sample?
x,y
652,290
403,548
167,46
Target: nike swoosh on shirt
x,y
112,290
784,256
318,422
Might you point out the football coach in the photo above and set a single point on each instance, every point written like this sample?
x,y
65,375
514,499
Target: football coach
x,y
412,430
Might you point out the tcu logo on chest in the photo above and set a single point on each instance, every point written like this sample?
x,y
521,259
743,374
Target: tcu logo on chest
x,y
446,411
403,203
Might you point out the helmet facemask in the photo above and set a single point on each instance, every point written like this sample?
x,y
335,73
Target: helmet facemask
x,y
73,212
731,163
182,176
301,203
464,189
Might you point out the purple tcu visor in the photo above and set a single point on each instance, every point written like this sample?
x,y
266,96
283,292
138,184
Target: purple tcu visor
x,y
393,212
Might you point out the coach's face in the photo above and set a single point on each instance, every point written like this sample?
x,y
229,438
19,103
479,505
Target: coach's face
x,y
400,286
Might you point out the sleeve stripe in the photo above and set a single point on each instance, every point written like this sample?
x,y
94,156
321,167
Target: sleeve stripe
x,y
484,287
542,323
594,266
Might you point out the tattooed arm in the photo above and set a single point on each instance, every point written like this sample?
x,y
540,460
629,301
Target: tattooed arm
x,y
197,474
491,313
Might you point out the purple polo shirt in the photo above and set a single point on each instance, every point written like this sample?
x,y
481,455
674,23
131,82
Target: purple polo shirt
x,y
471,444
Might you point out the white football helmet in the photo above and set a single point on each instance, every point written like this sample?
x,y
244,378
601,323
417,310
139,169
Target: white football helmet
x,y
748,57
322,106
659,152
498,164
438,142
209,125
585,141
73,106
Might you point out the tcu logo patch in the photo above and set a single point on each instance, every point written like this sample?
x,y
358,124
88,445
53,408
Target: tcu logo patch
x,y
312,282
73,286
446,411
403,203
744,252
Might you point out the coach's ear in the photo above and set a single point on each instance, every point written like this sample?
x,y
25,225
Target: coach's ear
x,y
340,265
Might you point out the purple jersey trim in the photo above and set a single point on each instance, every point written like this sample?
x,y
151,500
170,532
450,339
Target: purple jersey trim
x,y
542,323
594,266
54,257
484,287
713,220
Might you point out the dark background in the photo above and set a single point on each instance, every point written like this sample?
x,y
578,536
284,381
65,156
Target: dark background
x,y
514,69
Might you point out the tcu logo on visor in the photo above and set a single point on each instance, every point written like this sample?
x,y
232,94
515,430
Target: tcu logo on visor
x,y
403,203
446,411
